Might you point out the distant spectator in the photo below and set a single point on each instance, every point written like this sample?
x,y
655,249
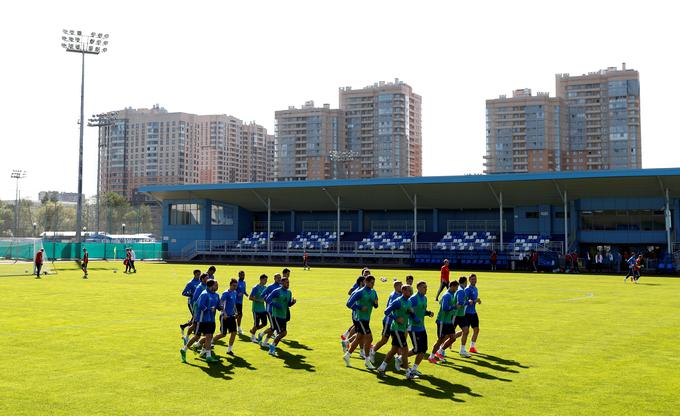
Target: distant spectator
x,y
493,259
534,261
598,262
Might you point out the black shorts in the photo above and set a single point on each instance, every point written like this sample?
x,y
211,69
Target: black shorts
x,y
239,308
83,266
260,318
205,328
445,329
387,323
191,311
472,320
398,339
460,322
362,327
419,341
228,324
279,324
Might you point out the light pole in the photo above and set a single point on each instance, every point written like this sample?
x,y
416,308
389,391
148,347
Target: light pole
x,y
94,44
123,228
101,120
341,156
17,174
35,226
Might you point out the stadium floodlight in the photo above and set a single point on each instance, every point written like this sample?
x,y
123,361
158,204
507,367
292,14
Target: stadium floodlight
x,y
342,156
101,120
83,44
17,174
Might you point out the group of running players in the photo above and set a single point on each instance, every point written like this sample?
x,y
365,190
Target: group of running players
x,y
404,318
270,304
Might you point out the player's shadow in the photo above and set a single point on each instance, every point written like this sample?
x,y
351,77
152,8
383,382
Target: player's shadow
x,y
472,371
443,389
224,368
501,361
492,366
295,361
296,345
649,284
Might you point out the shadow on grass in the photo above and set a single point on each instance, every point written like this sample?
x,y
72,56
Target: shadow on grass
x,y
296,345
224,368
501,361
443,389
472,371
491,366
649,284
294,361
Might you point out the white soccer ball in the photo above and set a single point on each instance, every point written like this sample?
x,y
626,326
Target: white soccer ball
x,y
383,279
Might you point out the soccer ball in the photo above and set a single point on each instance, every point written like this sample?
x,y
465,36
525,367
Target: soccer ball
x,y
383,279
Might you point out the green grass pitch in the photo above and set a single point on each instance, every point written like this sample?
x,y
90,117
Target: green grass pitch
x,y
550,344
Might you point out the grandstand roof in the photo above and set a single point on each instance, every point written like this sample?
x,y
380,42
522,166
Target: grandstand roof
x,y
445,192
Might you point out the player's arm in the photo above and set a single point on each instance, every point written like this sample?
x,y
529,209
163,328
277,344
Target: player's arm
x,y
352,301
272,297
375,301
187,290
292,300
391,308
447,304
252,296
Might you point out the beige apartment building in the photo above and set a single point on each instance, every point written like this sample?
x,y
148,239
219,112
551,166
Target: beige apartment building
x,y
524,133
306,140
155,147
592,124
383,129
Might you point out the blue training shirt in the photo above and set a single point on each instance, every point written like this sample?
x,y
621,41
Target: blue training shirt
x,y
471,292
190,288
197,292
207,303
267,292
388,319
228,302
240,291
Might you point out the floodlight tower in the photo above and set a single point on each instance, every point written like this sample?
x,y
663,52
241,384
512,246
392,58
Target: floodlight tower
x,y
17,174
342,156
101,120
93,44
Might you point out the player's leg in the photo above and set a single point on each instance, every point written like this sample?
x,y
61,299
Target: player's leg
x,y
232,328
442,286
281,330
473,320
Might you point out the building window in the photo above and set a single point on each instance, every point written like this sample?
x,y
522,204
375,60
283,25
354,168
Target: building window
x,y
221,215
185,214
531,214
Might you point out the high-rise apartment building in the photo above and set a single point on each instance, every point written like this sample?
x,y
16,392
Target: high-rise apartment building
x,y
592,124
306,138
524,133
604,119
155,147
383,130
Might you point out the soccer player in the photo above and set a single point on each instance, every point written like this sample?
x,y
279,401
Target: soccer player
x,y
305,261
269,332
387,322
418,333
445,330
400,311
362,302
473,299
409,281
84,261
228,315
189,293
280,301
240,291
346,338
258,306
39,259
444,278
200,288
211,272
208,302
133,258
631,266
637,266
460,320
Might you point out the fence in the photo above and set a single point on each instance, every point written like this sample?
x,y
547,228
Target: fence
x,y
105,250
474,225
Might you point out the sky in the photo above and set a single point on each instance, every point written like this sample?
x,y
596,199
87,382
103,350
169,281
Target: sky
x,y
251,58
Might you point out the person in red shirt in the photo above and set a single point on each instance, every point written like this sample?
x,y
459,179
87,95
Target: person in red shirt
x,y
305,261
84,261
39,258
444,277
493,259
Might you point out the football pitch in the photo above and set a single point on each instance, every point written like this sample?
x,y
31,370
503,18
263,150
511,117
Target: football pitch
x,y
549,344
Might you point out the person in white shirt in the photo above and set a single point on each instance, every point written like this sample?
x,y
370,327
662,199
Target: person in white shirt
x,y
598,261
132,261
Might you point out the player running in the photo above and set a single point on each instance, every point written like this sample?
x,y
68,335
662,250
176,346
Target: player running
x,y
637,266
280,301
400,310
347,337
460,319
305,261
202,286
631,265
445,329
387,322
228,315
208,302
444,278
189,293
418,333
240,291
269,332
362,302
258,307
473,299
84,261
